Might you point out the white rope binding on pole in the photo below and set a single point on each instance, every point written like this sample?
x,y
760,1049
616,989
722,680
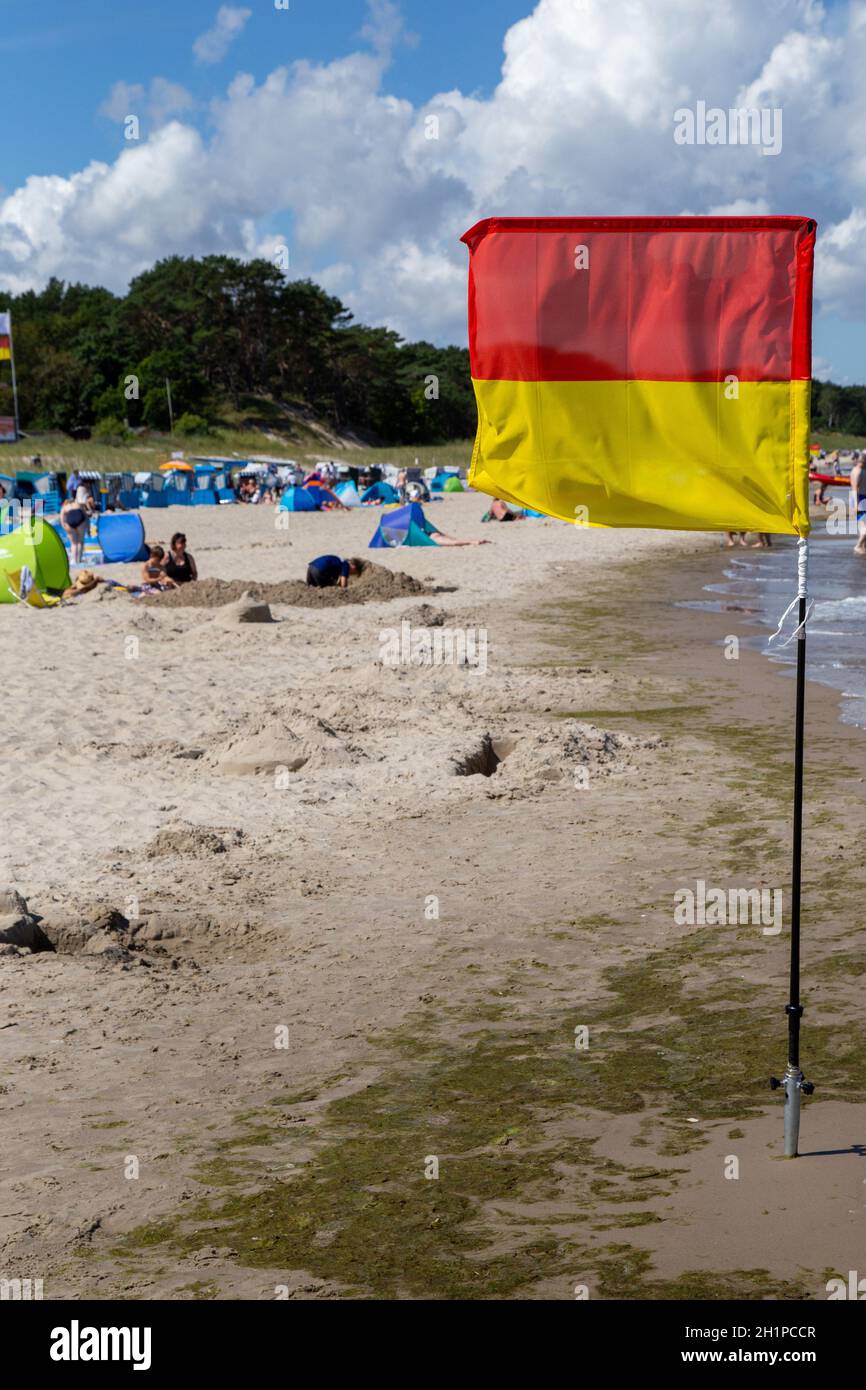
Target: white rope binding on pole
x,y
802,592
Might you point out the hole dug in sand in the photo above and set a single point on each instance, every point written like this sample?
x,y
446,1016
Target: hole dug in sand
x,y
484,758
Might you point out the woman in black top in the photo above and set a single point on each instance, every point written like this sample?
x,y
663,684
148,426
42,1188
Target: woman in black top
x,y
180,565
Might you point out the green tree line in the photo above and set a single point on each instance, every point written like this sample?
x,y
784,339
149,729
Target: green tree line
x,y
838,408
224,331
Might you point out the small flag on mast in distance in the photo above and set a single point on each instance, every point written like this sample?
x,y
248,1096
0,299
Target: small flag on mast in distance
x,y
644,371
5,331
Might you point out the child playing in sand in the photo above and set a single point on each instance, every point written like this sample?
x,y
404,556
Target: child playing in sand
x,y
326,571
153,572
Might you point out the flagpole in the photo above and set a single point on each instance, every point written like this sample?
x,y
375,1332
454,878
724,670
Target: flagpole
x,y
794,1082
14,378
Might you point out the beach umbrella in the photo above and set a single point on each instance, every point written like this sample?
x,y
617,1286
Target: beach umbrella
x,y
611,393
176,466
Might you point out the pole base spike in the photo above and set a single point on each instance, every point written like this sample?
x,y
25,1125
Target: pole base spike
x,y
795,1085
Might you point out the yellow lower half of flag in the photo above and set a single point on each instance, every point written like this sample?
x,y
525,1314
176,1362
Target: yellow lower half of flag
x,y
5,354
689,455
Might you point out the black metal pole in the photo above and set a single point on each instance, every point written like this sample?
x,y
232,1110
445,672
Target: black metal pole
x,y
793,1082
794,1009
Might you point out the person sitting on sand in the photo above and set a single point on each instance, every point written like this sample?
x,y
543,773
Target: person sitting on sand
x,y
75,519
417,491
328,570
179,564
153,570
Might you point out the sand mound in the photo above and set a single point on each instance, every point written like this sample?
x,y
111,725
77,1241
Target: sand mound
x,y
18,926
243,610
374,585
192,841
549,755
276,747
425,615
92,930
558,752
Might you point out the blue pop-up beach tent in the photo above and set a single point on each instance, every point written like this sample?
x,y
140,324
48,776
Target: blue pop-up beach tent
x,y
348,494
404,526
298,499
121,537
322,496
380,492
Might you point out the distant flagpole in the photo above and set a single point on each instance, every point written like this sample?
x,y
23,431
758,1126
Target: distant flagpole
x,y
14,378
7,353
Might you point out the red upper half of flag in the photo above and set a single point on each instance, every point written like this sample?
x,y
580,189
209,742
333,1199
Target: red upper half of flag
x,y
641,298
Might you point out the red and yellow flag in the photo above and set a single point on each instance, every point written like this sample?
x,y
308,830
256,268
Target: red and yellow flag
x,y
5,349
647,371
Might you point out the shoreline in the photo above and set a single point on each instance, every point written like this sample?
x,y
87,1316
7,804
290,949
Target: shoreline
x,y
414,1035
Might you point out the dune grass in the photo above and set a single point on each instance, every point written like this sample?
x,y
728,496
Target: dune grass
x,y
59,453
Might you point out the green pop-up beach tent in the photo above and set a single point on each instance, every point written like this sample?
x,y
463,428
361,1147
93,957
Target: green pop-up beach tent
x,y
38,546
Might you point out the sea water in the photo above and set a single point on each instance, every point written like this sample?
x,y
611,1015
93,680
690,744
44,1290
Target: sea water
x,y
761,584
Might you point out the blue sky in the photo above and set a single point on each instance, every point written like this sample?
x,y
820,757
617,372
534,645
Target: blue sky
x,y
307,127
61,57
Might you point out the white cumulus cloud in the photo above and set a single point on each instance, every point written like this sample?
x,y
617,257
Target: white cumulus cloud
x,y
213,45
162,100
373,191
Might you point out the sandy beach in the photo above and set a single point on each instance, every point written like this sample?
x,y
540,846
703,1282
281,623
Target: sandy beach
x,y
327,928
